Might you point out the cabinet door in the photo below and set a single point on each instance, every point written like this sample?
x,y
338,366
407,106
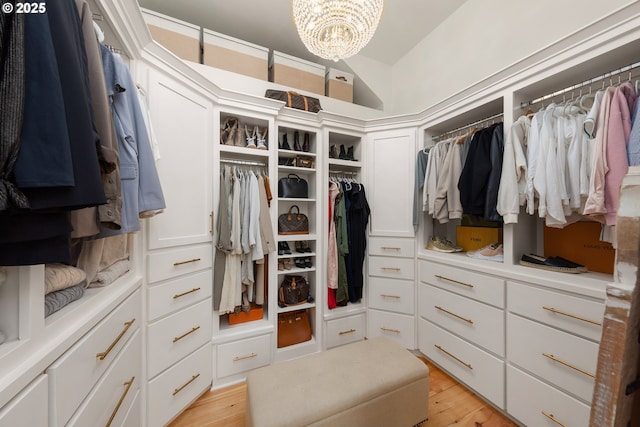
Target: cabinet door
x,y
390,192
183,125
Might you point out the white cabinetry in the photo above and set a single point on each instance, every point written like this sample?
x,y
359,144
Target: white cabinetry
x,y
179,257
29,408
392,157
392,289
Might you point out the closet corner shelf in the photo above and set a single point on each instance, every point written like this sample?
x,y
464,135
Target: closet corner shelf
x,y
297,169
296,307
294,153
345,163
295,199
254,152
296,270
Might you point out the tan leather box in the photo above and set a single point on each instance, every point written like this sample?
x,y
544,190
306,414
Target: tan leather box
x,y
235,55
296,73
179,37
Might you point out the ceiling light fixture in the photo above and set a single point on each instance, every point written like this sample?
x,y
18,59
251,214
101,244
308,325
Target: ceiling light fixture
x,y
336,29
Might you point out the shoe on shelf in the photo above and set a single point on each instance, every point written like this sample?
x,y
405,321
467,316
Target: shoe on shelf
x,y
304,245
333,152
285,248
305,144
298,246
492,252
558,264
262,138
350,154
442,245
280,265
285,143
286,263
250,137
343,152
299,262
280,248
307,262
296,141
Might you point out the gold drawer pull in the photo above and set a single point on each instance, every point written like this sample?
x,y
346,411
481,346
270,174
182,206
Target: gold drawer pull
x,y
389,248
469,321
195,328
350,331
453,357
105,353
248,356
176,296
179,389
175,264
568,365
573,316
391,268
454,281
127,386
211,218
390,296
395,331
554,419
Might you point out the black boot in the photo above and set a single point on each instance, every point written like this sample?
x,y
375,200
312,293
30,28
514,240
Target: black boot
x,y
296,141
350,154
285,143
343,152
305,144
333,151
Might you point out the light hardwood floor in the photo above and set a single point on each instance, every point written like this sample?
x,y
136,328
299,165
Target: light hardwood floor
x,y
450,404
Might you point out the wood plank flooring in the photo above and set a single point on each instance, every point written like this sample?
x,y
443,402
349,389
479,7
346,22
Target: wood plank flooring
x,y
450,404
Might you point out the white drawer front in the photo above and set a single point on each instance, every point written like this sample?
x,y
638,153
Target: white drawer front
x,y
177,294
176,388
396,268
472,366
346,330
391,295
243,355
133,418
392,246
78,370
528,342
474,285
173,262
529,399
29,408
573,314
479,323
175,336
398,327
113,395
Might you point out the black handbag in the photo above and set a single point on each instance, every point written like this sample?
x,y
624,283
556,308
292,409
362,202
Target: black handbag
x,y
293,187
295,100
293,223
293,290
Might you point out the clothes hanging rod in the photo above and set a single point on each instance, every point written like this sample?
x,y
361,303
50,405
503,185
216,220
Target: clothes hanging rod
x,y
609,75
243,162
467,126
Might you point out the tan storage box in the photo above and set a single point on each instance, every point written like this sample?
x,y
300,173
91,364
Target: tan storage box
x,y
181,38
238,56
339,85
472,238
296,73
580,242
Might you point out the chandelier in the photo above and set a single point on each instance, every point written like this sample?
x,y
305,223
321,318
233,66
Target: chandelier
x,y
336,29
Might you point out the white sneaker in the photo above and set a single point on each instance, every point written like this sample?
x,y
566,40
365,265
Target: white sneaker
x,y
250,137
492,252
262,138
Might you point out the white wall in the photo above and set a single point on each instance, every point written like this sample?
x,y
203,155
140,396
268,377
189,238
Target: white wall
x,y
482,38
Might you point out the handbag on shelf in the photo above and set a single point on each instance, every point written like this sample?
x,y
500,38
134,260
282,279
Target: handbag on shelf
x,y
293,223
295,100
293,290
303,162
293,328
292,186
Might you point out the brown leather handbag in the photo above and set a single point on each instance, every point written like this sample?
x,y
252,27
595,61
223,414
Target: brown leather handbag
x,y
293,290
293,223
295,100
294,327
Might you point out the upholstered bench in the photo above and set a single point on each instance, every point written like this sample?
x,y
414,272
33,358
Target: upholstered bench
x,y
369,383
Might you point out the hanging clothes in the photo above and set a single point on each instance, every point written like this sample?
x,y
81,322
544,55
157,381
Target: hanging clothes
x,y
358,218
513,177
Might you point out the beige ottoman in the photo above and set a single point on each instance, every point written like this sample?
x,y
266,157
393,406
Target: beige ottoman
x,y
369,383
